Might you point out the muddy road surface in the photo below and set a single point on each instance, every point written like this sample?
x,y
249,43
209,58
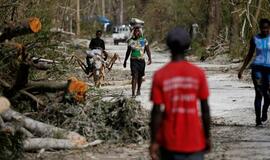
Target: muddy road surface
x,y
234,134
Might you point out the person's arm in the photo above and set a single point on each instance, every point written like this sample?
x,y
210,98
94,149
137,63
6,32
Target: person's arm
x,y
156,118
91,45
127,55
103,45
247,58
148,52
206,120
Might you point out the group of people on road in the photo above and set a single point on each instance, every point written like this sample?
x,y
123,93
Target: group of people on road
x,y
178,130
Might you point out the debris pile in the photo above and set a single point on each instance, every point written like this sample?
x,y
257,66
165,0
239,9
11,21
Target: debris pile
x,y
118,120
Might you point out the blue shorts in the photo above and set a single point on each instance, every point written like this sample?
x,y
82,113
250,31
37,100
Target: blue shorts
x,y
261,78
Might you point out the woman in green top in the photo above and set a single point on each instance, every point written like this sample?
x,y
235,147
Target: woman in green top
x,y
137,45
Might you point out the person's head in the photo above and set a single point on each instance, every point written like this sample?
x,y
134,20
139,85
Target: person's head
x,y
264,25
137,32
98,33
178,40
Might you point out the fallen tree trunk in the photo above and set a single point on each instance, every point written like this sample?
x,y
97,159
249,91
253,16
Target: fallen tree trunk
x,y
50,143
43,129
30,25
46,86
42,65
49,61
22,77
4,104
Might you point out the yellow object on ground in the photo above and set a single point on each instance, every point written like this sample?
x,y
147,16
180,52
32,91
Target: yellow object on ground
x,y
78,89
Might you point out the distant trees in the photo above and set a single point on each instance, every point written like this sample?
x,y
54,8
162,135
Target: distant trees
x,y
214,20
235,20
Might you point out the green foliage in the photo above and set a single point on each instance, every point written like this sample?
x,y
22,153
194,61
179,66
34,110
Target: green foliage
x,y
226,13
11,146
197,48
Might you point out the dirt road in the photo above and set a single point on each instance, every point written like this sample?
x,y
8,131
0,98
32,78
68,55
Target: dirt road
x,y
231,102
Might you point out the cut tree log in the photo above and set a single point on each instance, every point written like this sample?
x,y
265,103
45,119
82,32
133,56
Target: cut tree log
x,y
43,129
50,143
27,26
45,60
46,86
4,104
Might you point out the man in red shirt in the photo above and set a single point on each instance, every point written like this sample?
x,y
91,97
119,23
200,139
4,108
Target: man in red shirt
x,y
178,132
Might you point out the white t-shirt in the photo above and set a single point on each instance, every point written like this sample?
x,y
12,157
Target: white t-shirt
x,y
93,52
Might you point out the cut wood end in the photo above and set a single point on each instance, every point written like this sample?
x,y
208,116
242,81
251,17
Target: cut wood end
x,y
35,24
77,139
4,104
78,88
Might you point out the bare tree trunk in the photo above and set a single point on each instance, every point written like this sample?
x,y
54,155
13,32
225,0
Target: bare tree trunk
x,y
115,12
214,20
121,11
78,18
235,29
257,14
22,76
109,6
258,11
103,7
93,8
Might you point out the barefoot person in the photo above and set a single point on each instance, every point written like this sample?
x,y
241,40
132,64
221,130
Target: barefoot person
x,y
260,68
137,44
178,132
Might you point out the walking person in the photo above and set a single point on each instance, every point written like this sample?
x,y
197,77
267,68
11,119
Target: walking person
x,y
137,45
178,132
260,70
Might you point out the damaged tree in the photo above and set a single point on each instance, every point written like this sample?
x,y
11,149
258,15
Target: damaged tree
x,y
12,122
27,26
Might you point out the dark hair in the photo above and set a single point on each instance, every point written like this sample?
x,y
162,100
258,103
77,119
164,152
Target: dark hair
x,y
263,21
178,40
98,31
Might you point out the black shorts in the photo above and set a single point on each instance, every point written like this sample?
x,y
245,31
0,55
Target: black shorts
x,y
169,155
137,67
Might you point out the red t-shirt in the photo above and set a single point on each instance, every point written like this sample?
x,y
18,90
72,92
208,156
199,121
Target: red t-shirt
x,y
179,86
